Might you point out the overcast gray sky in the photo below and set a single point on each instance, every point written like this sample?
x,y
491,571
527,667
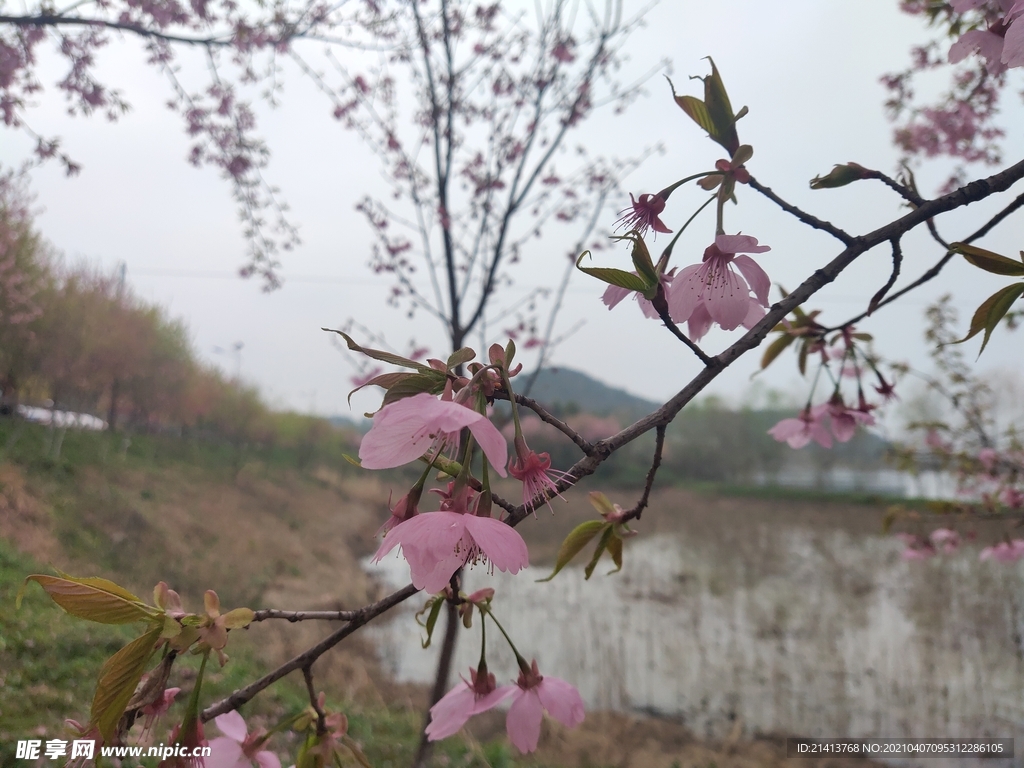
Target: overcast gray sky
x,y
807,69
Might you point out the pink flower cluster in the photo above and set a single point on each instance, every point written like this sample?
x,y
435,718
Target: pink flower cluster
x,y
438,543
814,422
532,695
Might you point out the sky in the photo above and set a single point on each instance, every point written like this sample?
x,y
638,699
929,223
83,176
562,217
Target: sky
x,y
808,71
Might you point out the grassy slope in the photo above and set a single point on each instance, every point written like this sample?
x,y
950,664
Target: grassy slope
x,y
260,534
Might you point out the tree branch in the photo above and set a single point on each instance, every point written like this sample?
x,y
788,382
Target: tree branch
x,y
294,616
844,237
306,658
970,193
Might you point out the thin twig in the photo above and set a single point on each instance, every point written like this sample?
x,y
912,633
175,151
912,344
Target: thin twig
x,y
666,318
659,446
934,271
363,616
908,194
812,221
321,716
897,261
294,616
549,418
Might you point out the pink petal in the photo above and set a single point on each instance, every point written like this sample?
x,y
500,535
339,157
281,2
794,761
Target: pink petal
x,y
699,323
225,753
613,294
685,295
756,277
232,725
963,6
792,431
754,314
267,759
431,573
504,547
1013,44
727,298
739,244
524,718
401,432
820,435
561,700
435,533
491,442
988,44
493,699
451,713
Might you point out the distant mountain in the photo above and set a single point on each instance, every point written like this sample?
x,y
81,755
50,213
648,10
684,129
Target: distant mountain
x,y
568,391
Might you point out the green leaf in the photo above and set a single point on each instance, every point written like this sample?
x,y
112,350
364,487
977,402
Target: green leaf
x,y
94,599
385,380
618,277
435,611
642,260
615,550
989,261
775,349
716,100
414,384
575,541
601,503
696,110
602,544
805,350
119,677
460,356
238,618
840,176
992,310
376,354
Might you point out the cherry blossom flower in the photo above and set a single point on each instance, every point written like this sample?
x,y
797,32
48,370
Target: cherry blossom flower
x,y
534,471
470,697
1004,551
437,544
643,215
238,748
533,695
713,290
844,420
404,430
800,431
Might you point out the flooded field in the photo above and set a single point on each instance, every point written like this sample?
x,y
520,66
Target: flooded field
x,y
784,618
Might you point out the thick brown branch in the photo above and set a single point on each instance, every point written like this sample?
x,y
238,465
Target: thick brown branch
x,y
306,658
